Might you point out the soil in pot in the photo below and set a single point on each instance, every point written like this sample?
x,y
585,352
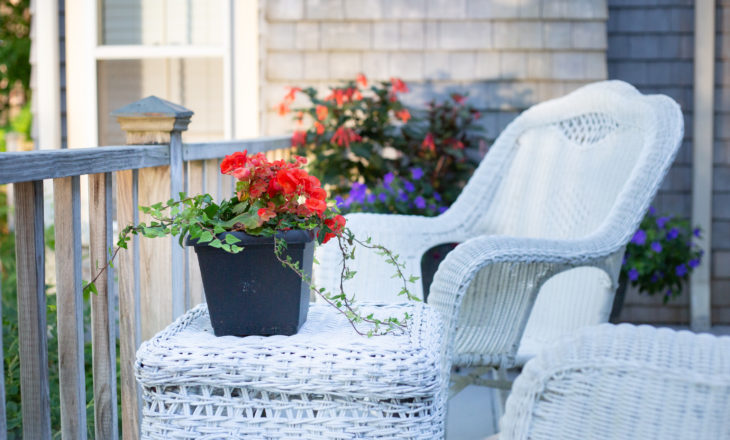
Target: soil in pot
x,y
251,293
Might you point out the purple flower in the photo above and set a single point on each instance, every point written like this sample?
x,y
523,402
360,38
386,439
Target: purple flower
x,y
436,196
442,209
694,262
672,234
661,221
652,210
387,180
681,270
668,292
416,173
431,207
697,232
626,258
371,198
420,202
382,197
408,186
402,196
357,192
633,274
656,247
654,277
639,237
339,201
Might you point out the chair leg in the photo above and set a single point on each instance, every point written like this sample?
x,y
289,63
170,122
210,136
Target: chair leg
x,y
500,395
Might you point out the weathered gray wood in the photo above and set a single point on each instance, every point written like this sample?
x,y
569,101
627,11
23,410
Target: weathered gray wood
x,y
52,164
102,308
70,306
3,416
128,305
177,268
216,150
30,261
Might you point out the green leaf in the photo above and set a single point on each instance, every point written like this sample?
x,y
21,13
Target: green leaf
x,y
231,239
205,237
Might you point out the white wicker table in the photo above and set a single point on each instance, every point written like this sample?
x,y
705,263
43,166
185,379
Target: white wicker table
x,y
325,382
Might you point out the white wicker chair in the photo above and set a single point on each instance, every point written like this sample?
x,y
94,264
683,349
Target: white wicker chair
x,y
549,210
624,382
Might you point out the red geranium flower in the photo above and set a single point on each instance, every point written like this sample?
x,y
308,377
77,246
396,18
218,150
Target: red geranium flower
x,y
336,225
299,138
459,99
403,114
343,136
362,80
322,112
337,95
398,85
319,127
233,161
290,96
428,142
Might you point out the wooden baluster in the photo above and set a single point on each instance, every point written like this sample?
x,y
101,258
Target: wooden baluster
x,y
102,308
70,307
30,261
129,315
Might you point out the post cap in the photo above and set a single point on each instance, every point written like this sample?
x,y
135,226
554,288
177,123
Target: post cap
x,y
150,120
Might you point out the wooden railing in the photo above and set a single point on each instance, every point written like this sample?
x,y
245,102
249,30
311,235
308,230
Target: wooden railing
x,y
157,279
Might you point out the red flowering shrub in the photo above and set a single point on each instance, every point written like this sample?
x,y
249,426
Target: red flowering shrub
x,y
362,132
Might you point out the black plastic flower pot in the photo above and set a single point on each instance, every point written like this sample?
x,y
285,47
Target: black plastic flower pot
x,y
251,292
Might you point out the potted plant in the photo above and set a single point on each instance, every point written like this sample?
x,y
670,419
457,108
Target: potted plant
x,y
255,249
659,258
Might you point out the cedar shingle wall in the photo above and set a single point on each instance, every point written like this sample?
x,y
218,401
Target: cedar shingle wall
x,y
651,45
507,54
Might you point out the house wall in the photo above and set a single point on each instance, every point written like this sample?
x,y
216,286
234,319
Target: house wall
x,y
651,45
508,54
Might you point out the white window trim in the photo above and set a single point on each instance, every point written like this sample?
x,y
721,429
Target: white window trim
x,y
239,54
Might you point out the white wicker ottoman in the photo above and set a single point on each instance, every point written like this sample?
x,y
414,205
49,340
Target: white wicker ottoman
x,y
325,382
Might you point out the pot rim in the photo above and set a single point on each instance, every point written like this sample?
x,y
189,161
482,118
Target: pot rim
x,y
293,236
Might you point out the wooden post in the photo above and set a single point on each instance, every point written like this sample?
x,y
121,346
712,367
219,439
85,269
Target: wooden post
x,y
30,262
151,284
702,150
70,305
155,121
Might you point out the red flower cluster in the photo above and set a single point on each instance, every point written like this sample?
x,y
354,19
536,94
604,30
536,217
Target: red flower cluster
x,y
283,107
343,136
336,224
281,187
340,96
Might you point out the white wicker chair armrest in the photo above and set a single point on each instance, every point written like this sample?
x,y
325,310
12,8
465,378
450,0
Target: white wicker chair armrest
x,y
503,276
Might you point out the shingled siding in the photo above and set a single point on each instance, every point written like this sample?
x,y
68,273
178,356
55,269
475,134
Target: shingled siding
x,y
651,45
507,54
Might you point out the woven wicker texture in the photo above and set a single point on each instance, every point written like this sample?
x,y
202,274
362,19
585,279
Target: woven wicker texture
x,y
326,382
549,210
624,382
